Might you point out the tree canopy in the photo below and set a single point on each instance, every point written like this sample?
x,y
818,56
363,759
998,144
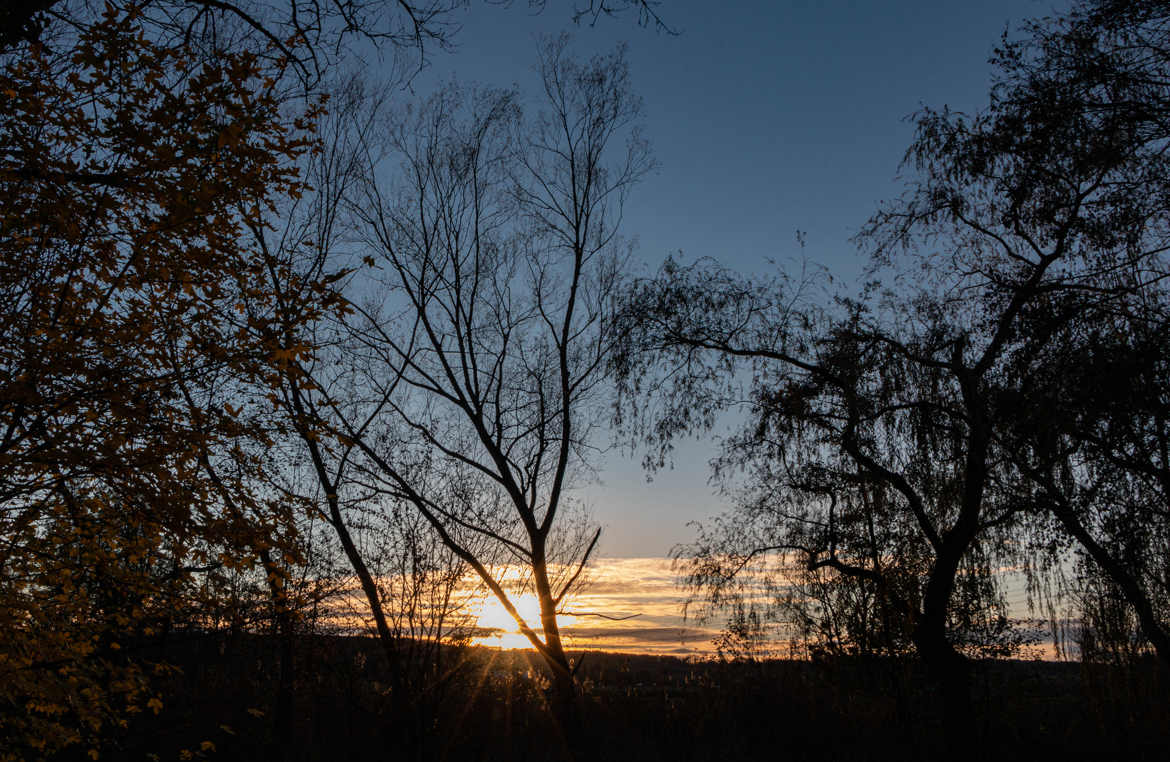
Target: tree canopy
x,y
988,399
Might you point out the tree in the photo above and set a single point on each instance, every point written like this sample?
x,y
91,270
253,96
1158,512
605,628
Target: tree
x,y
1033,233
412,585
474,366
1088,428
313,37
128,172
140,143
1089,435
867,444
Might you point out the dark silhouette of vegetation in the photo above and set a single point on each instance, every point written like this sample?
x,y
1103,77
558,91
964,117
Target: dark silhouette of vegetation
x,y
289,382
120,257
1000,402
462,387
646,708
148,150
1088,426
311,37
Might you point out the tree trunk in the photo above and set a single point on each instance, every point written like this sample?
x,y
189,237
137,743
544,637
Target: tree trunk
x,y
564,699
385,636
285,720
948,669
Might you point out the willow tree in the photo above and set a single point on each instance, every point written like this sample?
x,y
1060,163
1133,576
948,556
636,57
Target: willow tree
x,y
866,449
1031,235
1088,424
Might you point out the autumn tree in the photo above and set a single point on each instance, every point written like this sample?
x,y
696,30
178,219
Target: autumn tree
x,y
129,171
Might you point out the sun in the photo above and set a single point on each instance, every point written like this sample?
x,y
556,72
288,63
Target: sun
x,y
504,632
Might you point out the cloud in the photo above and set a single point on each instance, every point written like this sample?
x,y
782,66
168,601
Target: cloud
x,y
640,634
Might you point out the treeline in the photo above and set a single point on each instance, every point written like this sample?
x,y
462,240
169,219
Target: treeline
x,y
270,337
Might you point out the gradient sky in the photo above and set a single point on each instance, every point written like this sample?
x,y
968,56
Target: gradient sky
x,y
645,590
767,117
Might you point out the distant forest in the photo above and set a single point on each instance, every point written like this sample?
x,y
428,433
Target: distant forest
x,y
280,353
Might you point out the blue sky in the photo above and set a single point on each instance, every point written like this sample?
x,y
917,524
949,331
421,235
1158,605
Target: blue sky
x,y
766,118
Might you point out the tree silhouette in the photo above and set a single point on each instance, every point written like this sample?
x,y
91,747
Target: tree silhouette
x,y
1084,411
867,443
475,365
970,397
310,37
146,147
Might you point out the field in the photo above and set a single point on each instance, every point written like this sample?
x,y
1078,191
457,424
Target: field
x,y
486,704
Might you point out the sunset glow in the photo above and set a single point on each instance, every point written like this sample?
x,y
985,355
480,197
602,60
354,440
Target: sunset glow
x,y
500,628
628,604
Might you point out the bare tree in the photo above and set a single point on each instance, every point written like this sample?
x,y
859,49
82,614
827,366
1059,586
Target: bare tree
x,y
313,36
347,543
476,351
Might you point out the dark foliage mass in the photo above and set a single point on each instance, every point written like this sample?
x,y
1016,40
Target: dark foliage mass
x,y
496,707
283,361
993,399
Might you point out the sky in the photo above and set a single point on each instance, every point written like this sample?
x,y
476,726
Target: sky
x,y
639,596
642,601
766,117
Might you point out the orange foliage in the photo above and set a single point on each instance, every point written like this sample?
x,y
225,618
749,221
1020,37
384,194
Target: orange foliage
x,y
130,172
